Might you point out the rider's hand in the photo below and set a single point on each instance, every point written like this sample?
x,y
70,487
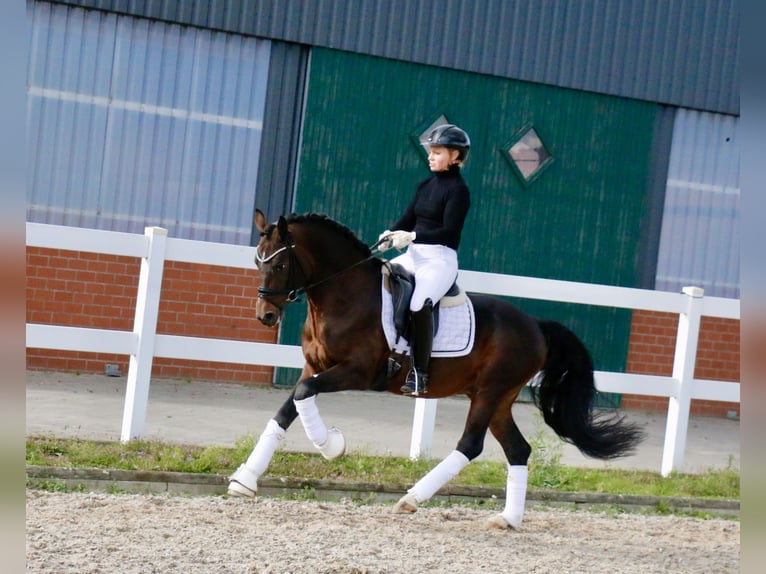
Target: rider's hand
x,y
401,239
384,240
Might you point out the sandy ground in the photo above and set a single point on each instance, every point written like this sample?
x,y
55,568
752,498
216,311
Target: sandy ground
x,y
89,533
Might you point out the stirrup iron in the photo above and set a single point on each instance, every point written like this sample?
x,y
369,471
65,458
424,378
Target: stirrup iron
x,y
416,383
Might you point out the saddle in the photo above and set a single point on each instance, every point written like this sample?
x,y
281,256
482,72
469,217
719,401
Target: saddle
x,y
401,284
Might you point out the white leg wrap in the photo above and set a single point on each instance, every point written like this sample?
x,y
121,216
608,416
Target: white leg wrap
x,y
312,422
440,475
515,495
329,442
264,449
247,474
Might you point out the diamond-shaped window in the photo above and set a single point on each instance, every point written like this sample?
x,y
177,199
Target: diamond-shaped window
x,y
527,154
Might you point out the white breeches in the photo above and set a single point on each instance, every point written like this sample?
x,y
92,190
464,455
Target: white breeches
x,y
435,269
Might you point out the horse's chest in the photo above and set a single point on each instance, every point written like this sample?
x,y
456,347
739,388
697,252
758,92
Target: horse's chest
x,y
318,349
317,357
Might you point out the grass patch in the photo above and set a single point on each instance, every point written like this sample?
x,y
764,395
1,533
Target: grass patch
x,y
545,470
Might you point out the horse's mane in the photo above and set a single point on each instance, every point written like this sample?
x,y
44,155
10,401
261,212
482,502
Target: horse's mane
x,y
323,220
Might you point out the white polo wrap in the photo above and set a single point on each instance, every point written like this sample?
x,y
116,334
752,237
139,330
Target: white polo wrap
x,y
440,475
515,495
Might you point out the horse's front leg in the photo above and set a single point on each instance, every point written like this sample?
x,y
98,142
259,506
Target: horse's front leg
x,y
329,441
244,481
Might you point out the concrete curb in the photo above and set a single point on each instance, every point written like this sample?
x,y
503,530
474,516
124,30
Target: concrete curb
x,y
113,480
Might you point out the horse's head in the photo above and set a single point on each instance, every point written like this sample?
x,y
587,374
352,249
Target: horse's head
x,y
279,268
303,254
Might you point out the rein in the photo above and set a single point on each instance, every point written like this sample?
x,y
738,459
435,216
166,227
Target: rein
x,y
292,295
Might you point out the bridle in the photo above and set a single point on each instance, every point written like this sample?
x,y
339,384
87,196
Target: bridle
x,y
292,294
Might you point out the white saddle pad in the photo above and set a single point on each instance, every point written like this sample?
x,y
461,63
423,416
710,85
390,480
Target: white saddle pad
x,y
455,337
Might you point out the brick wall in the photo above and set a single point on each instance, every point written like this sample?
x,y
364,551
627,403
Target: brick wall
x,y
99,291
652,345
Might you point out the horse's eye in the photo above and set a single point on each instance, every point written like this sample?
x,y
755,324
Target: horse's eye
x,y
279,267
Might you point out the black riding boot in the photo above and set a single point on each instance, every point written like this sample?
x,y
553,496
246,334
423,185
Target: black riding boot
x,y
422,342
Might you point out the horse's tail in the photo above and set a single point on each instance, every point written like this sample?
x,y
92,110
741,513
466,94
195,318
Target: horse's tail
x,y
565,398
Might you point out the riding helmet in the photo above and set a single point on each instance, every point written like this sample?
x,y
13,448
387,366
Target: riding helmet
x,y
452,137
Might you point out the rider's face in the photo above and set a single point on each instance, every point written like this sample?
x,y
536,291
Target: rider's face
x,y
440,158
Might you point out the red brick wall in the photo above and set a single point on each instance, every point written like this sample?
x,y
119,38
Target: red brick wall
x,y
99,291
652,345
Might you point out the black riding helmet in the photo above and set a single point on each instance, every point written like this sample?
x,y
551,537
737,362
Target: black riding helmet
x,y
451,137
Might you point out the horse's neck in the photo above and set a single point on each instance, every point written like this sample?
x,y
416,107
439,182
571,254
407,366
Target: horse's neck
x,y
346,289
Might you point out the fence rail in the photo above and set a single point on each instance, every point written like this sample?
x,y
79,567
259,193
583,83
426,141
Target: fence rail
x,y
142,344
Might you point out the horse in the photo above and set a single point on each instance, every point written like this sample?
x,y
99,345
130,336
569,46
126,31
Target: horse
x,y
345,348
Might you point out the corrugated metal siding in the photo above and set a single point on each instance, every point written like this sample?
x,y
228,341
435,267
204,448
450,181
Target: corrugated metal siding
x,y
680,52
699,244
134,123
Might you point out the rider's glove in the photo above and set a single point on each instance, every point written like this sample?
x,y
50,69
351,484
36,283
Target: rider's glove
x,y
401,239
384,240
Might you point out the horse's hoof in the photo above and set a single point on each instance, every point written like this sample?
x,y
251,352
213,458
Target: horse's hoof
x,y
244,482
500,523
335,445
407,505
240,490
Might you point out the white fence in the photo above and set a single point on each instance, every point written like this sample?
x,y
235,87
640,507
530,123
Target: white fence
x,y
143,343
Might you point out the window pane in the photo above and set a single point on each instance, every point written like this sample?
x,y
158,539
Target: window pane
x,y
529,154
133,123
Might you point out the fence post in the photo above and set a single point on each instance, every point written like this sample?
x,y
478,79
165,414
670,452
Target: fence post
x,y
423,424
145,328
683,372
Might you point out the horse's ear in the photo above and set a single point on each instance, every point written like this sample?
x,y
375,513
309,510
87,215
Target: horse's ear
x,y
282,228
260,221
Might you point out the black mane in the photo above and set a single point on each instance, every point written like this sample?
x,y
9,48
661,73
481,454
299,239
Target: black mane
x,y
318,218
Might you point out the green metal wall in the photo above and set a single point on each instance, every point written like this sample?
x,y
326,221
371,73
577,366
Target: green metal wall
x,y
579,221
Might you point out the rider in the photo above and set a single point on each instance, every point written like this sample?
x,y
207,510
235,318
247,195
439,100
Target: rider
x,y
431,227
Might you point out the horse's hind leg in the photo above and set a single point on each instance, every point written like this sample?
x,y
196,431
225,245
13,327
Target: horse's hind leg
x,y
244,481
469,446
517,451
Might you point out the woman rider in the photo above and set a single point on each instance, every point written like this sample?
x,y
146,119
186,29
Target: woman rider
x,y
430,228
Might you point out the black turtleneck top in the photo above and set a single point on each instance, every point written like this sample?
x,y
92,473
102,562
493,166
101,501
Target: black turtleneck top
x,y
438,210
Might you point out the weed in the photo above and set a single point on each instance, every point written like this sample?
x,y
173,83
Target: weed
x,y
545,468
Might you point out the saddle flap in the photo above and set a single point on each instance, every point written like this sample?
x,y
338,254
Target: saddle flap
x,y
401,284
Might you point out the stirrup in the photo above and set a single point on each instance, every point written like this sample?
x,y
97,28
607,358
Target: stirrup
x,y
416,384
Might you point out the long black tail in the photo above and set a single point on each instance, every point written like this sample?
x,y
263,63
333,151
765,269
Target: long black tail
x,y
565,398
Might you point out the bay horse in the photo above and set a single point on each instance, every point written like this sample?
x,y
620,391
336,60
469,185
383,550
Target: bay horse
x,y
346,349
